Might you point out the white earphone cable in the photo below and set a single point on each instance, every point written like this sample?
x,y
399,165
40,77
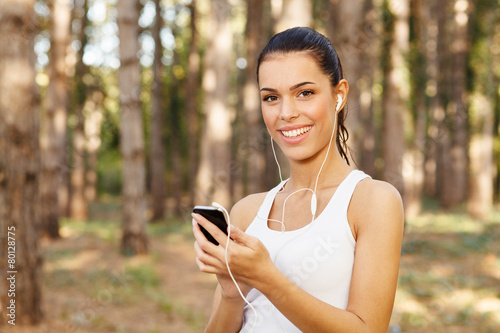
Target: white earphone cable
x,y
215,204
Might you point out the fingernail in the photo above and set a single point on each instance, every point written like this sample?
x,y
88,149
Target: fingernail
x,y
195,218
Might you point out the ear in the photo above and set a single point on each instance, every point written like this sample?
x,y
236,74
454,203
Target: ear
x,y
341,91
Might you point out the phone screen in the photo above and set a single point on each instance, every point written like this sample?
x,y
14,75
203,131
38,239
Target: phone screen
x,y
215,216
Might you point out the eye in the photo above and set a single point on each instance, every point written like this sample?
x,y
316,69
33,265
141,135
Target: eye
x,y
270,98
306,93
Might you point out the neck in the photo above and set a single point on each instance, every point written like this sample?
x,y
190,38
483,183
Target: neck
x,y
303,174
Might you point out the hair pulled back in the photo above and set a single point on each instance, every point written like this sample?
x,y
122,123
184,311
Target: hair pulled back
x,y
321,50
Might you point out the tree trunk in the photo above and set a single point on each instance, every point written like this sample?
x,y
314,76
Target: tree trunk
x,y
175,111
157,147
458,107
351,45
481,193
256,138
395,93
365,86
191,104
431,60
78,202
20,219
415,163
480,200
134,240
444,177
214,170
54,124
294,13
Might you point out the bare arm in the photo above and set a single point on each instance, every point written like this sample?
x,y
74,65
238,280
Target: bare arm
x,y
227,314
227,307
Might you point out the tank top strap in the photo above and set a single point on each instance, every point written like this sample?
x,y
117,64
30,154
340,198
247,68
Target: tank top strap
x,y
265,207
346,190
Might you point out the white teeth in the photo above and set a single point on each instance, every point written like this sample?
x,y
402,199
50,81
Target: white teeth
x,y
296,132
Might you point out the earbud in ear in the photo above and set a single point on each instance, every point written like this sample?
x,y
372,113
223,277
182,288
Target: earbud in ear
x,y
339,102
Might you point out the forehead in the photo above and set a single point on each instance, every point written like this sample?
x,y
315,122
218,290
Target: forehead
x,y
289,68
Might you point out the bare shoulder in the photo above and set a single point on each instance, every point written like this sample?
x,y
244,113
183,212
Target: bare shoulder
x,y
245,210
376,204
376,192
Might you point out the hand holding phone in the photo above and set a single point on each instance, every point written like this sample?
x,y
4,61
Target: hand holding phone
x,y
214,215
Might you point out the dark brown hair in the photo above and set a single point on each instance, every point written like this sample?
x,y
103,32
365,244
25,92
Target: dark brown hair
x,y
321,50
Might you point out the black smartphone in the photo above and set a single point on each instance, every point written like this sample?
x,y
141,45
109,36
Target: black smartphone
x,y
214,215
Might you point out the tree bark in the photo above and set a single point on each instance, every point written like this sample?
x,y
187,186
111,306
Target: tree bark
x,y
365,86
480,200
256,138
54,124
214,169
20,218
78,202
481,193
175,111
191,103
349,39
458,109
415,163
444,177
134,240
432,61
294,13
395,93
157,147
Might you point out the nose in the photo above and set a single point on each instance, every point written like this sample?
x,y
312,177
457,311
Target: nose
x,y
288,111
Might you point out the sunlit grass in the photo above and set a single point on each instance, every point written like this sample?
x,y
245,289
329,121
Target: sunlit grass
x,y
105,230
450,274
443,222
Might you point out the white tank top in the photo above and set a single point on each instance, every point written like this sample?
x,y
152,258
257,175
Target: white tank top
x,y
318,257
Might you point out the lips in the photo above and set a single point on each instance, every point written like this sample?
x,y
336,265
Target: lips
x,y
294,133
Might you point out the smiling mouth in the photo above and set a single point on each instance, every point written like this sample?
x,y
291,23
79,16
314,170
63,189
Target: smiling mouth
x,y
296,132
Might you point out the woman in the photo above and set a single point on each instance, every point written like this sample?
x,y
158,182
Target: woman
x,y
319,252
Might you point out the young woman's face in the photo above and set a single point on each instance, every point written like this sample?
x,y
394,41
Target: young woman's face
x,y
298,104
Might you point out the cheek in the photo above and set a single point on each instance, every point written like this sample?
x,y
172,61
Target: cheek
x,y
268,117
321,112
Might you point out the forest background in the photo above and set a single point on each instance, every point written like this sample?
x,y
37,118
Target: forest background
x,y
117,117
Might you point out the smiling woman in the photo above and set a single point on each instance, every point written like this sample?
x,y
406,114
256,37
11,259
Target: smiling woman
x,y
320,251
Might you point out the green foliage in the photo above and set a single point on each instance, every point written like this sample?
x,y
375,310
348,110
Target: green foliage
x,y
144,276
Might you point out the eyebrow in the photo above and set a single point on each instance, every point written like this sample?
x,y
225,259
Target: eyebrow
x,y
291,88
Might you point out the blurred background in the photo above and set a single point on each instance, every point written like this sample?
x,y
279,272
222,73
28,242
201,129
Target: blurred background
x,y
118,116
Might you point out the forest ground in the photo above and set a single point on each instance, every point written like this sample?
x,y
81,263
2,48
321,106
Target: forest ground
x,y
449,278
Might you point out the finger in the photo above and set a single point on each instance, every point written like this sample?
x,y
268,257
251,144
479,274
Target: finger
x,y
206,246
206,258
200,237
205,268
212,229
241,237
